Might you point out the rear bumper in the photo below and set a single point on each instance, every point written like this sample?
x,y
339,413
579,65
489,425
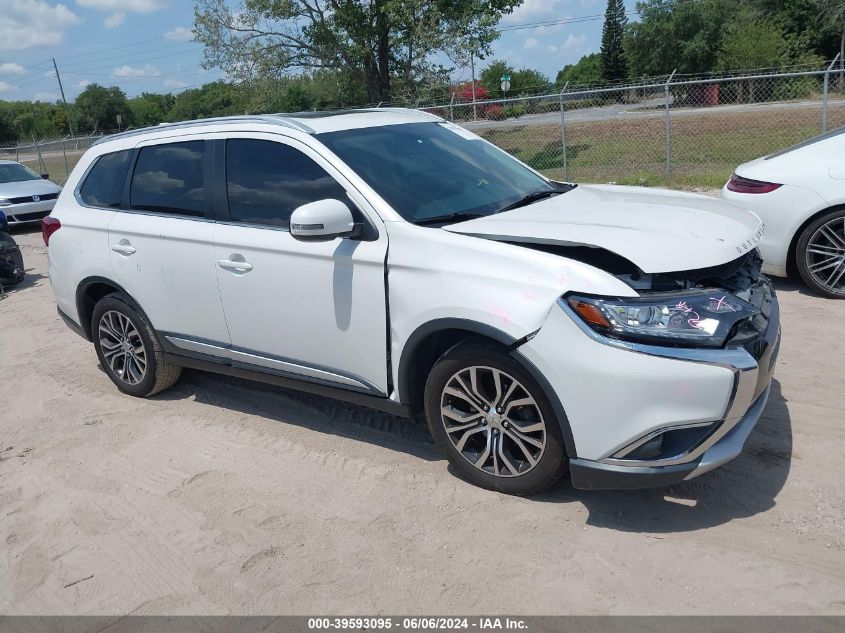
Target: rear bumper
x,y
592,475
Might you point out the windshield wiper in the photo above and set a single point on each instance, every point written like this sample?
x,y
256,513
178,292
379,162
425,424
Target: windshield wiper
x,y
449,218
531,197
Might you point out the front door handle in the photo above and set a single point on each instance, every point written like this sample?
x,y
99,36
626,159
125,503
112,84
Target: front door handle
x,y
123,247
236,266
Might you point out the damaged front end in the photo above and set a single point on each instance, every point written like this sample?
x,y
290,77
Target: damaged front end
x,y
712,307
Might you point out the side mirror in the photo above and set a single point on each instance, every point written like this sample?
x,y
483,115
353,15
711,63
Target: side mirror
x,y
45,176
322,220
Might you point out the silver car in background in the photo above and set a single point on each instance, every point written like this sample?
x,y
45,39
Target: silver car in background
x,y
24,195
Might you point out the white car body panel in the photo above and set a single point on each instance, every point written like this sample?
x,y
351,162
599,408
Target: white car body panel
x,y
345,311
681,227
812,183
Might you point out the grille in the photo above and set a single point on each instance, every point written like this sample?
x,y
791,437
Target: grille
x,y
26,199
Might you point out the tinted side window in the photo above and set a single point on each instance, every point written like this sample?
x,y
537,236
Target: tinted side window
x,y
103,186
266,181
169,179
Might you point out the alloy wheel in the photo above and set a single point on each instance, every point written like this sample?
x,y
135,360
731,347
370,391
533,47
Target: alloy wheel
x,y
123,348
826,255
493,421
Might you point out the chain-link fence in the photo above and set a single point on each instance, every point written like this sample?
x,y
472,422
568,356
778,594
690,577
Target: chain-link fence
x,y
689,132
53,157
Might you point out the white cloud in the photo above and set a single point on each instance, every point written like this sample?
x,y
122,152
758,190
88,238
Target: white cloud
x,y
114,20
531,10
4,87
180,34
137,6
11,68
82,85
28,23
574,41
45,96
531,43
174,83
148,70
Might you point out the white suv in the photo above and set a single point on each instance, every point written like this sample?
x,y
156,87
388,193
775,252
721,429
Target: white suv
x,y
392,259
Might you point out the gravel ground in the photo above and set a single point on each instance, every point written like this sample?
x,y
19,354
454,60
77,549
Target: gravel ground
x,y
223,497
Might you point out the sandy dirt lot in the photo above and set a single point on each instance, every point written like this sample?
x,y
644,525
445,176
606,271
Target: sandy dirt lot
x,y
227,497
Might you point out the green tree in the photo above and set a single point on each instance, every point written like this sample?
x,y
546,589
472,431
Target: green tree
x,y
212,99
750,43
491,77
97,108
372,41
587,72
682,36
150,108
613,64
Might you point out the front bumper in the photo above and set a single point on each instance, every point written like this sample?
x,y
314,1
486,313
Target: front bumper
x,y
618,395
28,211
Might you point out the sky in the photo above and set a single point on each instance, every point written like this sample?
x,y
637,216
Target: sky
x,y
146,45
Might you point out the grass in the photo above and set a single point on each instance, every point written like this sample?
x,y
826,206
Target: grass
x,y
705,148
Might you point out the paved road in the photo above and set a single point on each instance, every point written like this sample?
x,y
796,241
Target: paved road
x,y
647,110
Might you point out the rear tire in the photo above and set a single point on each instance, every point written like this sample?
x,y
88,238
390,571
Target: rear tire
x,y
515,446
820,254
128,348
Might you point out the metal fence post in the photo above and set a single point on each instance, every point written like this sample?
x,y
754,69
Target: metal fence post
x,y
64,153
452,108
40,158
563,132
668,140
826,90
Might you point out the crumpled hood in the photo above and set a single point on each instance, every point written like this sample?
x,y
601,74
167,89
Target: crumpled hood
x,y
658,230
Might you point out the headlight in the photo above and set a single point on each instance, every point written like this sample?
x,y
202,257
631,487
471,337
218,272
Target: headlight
x,y
5,203
701,318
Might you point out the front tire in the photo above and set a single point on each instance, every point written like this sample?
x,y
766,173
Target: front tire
x,y
493,421
820,254
128,348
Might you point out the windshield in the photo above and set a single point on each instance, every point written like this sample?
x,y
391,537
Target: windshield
x,y
13,172
433,170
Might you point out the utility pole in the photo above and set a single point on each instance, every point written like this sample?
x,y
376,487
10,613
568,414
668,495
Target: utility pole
x,y
62,90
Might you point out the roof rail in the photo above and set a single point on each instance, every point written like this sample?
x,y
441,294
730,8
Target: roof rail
x,y
272,119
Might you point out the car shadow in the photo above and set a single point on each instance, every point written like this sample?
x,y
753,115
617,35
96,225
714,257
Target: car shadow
x,y
30,280
742,488
789,284
317,413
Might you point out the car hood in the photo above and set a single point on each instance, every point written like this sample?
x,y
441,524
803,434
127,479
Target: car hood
x,y
27,188
658,230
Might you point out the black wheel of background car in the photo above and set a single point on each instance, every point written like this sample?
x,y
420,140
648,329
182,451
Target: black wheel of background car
x,y
128,349
820,254
493,421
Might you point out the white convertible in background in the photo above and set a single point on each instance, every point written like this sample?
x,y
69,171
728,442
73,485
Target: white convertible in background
x,y
800,195
392,259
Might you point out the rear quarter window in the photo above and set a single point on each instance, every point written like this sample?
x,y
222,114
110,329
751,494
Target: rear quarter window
x,y
103,186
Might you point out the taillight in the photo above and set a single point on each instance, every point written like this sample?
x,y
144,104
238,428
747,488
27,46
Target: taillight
x,y
49,225
746,185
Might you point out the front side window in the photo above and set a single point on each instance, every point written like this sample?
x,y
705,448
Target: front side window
x,y
169,179
266,181
103,186
430,170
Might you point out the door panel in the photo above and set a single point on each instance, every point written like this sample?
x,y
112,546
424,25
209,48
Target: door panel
x,y
315,309
170,272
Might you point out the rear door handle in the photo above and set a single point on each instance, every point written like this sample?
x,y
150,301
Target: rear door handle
x,y
123,247
238,267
